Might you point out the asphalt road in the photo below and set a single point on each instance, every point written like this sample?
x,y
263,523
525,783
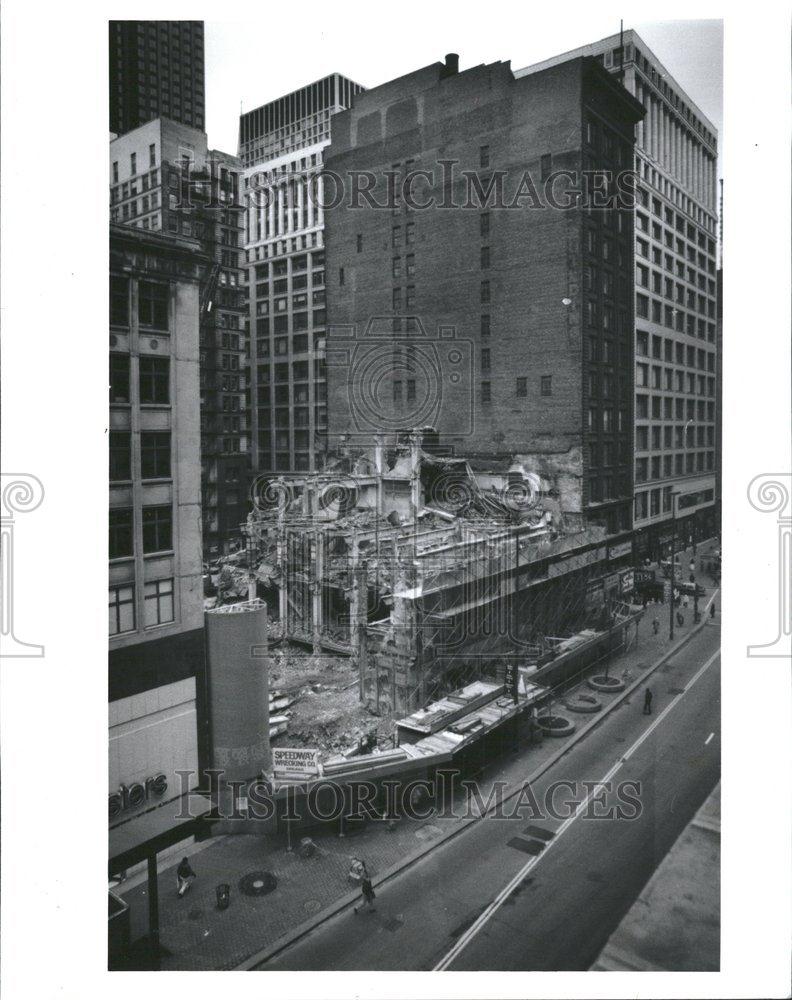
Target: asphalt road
x,y
484,902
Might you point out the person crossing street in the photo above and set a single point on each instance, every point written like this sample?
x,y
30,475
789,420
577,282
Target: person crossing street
x,y
647,708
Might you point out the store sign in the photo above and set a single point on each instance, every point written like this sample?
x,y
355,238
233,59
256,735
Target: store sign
x,y
622,549
137,794
627,581
295,763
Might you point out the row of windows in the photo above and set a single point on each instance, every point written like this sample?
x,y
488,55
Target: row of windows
x,y
675,319
158,606
152,303
679,464
670,436
675,194
673,409
676,381
155,455
153,379
157,531
663,348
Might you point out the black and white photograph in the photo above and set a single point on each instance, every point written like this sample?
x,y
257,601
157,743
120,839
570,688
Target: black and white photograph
x,y
448,510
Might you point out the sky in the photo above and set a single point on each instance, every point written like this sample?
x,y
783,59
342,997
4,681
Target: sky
x,y
250,63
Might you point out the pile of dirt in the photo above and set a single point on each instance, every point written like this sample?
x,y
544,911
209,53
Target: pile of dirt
x,y
327,714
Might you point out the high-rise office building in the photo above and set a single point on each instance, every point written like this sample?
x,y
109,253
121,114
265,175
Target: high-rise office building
x,y
281,147
164,178
156,69
675,296
477,313
155,602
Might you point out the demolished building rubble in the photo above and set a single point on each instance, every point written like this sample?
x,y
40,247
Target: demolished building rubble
x,y
427,570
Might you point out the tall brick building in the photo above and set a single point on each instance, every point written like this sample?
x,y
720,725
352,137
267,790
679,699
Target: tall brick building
x,y
675,296
506,322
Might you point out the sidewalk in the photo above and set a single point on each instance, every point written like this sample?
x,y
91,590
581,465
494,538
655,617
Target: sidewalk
x,y
196,936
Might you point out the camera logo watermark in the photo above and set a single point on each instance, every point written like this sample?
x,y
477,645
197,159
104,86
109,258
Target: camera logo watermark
x,y
772,493
22,493
398,374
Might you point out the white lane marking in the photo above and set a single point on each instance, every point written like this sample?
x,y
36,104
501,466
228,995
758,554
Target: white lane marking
x,y
504,894
708,738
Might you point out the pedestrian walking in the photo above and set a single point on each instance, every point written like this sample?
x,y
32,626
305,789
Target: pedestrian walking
x,y
685,602
712,610
367,891
655,625
680,619
647,709
184,876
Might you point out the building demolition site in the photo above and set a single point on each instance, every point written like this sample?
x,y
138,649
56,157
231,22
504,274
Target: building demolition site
x,y
396,576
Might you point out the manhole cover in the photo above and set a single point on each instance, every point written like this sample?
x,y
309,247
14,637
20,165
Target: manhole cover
x,y
257,883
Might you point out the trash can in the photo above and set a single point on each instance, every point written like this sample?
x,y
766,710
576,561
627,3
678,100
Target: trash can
x,y
223,893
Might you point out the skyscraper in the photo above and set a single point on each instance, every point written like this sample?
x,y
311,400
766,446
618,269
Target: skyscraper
x,y
156,68
675,296
281,147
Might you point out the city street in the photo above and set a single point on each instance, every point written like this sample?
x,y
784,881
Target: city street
x,y
480,902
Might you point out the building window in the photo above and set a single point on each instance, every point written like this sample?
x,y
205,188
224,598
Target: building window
x,y
340,276
120,456
486,392
410,388
396,267
546,166
115,172
485,325
485,359
154,379
546,385
121,610
121,541
397,300
485,256
152,155
397,392
157,529
522,387
133,163
158,602
119,378
359,243
485,291
155,454
153,305
484,156
484,219
119,301
409,233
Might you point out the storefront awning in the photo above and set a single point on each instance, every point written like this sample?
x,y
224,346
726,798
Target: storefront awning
x,y
138,838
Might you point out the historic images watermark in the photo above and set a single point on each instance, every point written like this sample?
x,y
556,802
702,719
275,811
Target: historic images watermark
x,y
772,493
22,493
447,795
447,185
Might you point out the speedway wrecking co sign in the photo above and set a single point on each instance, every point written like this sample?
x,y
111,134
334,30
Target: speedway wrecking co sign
x,y
295,763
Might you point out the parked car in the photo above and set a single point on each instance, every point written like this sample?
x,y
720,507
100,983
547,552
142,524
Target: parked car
x,y
691,589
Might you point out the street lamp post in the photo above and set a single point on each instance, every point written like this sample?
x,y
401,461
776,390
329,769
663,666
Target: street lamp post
x,y
674,498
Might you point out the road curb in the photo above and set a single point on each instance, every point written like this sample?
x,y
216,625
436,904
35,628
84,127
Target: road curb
x,y
263,956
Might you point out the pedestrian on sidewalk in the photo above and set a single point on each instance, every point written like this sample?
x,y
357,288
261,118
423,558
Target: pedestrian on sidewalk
x,y
680,619
184,876
685,602
655,625
367,891
712,610
647,709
